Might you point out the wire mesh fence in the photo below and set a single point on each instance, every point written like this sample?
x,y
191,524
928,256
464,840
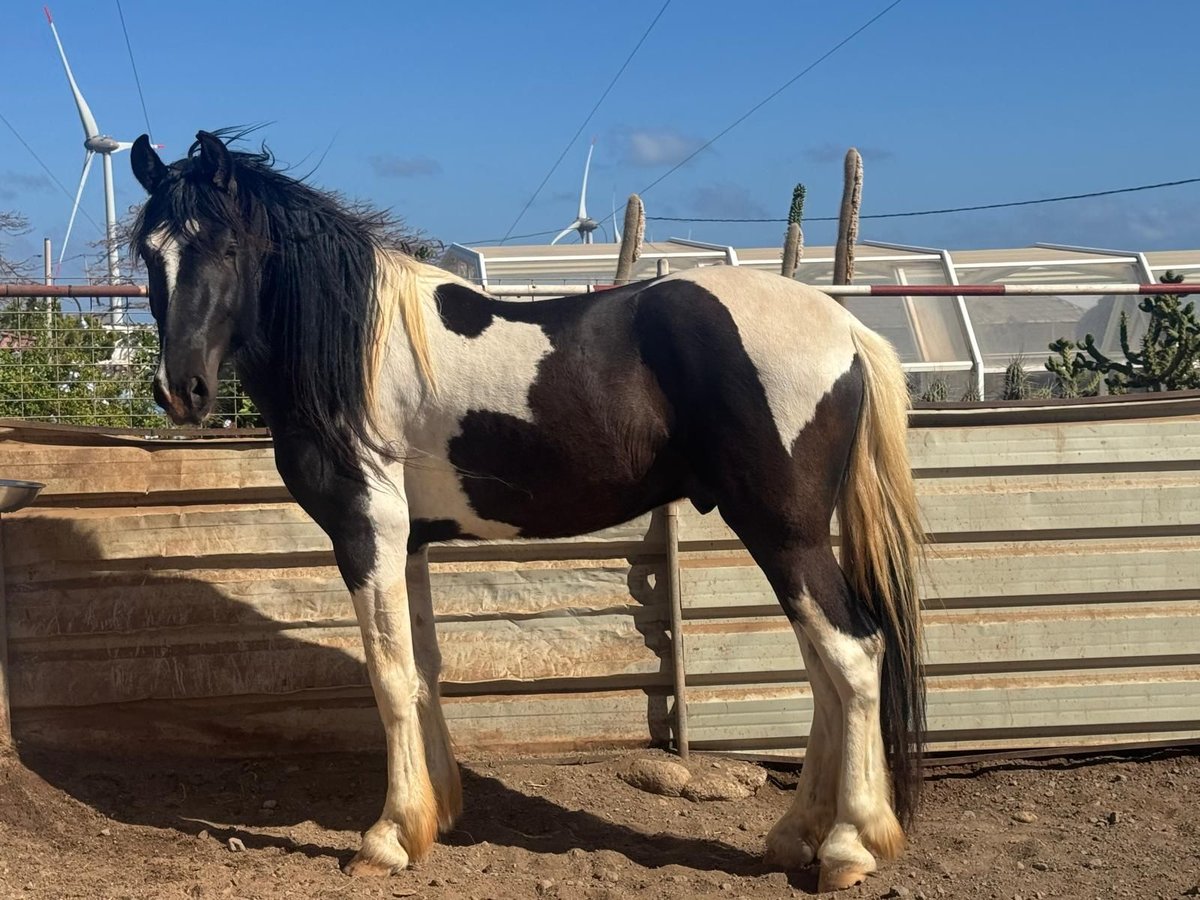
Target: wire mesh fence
x,y
90,361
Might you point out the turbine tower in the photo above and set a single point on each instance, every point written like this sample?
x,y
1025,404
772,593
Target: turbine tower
x,y
94,142
583,224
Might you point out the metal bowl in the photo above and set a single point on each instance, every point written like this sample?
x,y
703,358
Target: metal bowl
x,y
16,495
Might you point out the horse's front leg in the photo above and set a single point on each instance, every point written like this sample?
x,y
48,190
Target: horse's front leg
x,y
409,823
439,752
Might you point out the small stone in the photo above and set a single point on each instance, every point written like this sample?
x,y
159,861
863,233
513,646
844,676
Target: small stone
x,y
920,895
1094,863
488,869
612,876
1041,866
270,804
752,777
898,890
235,845
1020,865
545,886
106,832
1025,817
715,787
1114,818
1193,891
1118,777
203,835
657,776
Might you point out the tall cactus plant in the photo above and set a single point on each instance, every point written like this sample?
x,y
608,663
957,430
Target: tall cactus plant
x,y
793,242
843,260
631,239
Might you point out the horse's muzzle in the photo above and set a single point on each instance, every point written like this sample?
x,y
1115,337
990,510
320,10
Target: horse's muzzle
x,y
187,406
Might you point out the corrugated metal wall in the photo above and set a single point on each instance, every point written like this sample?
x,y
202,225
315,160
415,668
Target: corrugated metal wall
x,y
169,592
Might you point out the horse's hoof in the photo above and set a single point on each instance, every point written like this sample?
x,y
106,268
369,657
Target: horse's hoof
x,y
788,853
363,867
840,878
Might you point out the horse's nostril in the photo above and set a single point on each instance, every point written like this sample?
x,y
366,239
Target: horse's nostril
x,y
198,390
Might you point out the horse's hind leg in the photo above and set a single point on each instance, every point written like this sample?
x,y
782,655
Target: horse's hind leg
x,y
794,840
439,753
842,809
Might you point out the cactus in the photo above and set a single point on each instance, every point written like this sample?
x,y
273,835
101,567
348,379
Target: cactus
x,y
793,246
971,394
631,240
1072,376
937,392
793,242
1169,358
796,210
1017,384
843,262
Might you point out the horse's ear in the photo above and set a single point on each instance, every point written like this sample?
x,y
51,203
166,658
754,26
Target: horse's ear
x,y
148,168
215,161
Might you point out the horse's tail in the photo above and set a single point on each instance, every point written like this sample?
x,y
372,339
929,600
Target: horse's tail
x,y
881,541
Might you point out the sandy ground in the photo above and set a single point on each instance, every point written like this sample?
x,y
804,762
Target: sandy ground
x,y
79,827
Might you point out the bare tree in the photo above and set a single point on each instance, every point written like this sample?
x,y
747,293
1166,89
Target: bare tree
x,y
13,224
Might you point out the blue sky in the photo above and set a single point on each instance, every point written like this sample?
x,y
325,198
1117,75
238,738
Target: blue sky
x,y
451,114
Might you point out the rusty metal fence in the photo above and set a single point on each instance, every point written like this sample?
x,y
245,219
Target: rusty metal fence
x,y
87,360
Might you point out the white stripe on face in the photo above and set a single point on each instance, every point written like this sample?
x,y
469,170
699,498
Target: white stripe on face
x,y
169,249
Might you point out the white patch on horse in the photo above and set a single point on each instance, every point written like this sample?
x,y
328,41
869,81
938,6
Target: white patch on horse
x,y
492,372
798,339
170,249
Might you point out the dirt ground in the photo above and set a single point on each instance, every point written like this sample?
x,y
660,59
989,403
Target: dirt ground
x,y
80,827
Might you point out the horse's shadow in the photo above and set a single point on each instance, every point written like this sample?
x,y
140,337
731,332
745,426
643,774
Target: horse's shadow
x,y
188,789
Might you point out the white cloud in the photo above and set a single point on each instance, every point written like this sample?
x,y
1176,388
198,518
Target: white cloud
x,y
658,146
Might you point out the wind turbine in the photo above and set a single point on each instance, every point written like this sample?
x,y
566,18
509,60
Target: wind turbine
x,y
94,142
583,224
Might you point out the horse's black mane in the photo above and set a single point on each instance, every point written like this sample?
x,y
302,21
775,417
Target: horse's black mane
x,y
318,309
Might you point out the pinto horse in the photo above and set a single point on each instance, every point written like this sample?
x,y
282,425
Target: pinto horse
x,y
408,407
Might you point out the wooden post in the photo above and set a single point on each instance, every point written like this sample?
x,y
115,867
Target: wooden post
x,y
678,657
6,740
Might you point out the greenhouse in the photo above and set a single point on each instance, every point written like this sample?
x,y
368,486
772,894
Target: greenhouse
x,y
961,340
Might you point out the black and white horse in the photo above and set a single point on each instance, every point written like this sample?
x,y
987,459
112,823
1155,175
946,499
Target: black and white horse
x,y
407,407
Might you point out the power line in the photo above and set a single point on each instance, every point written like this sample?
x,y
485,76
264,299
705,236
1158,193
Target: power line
x,y
951,209
46,169
136,79
775,93
515,237
900,215
583,125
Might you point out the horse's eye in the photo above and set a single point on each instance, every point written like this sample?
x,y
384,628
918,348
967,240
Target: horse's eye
x,y
231,252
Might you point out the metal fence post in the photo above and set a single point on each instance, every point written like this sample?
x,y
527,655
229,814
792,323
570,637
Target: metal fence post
x,y
678,657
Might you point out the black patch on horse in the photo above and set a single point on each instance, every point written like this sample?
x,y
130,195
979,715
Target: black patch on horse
x,y
597,451
432,531
462,310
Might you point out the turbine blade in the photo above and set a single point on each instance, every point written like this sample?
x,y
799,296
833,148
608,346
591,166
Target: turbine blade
x,y
583,193
90,128
562,234
123,145
616,227
87,165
